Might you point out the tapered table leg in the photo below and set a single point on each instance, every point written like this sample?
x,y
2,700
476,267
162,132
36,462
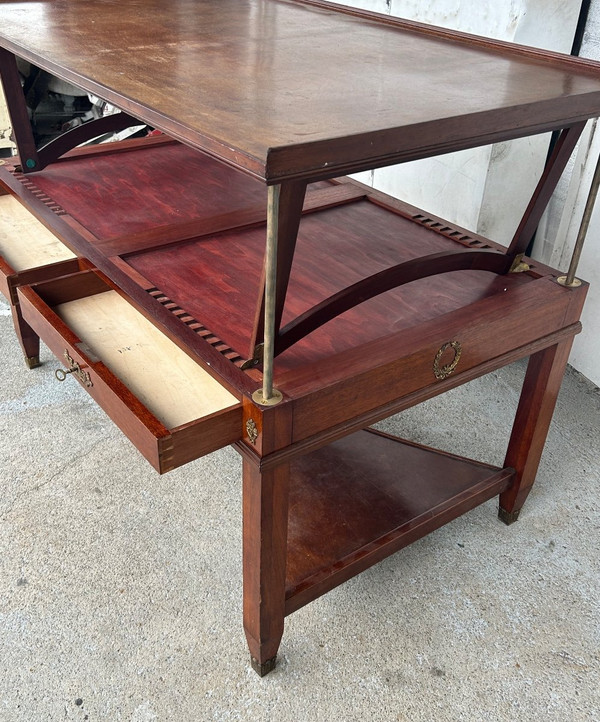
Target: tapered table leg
x,y
544,375
28,338
265,509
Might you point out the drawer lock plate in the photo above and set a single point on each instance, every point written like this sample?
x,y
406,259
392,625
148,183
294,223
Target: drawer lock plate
x,y
73,368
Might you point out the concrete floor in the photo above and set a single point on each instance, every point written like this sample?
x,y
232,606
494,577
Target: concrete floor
x,y
120,590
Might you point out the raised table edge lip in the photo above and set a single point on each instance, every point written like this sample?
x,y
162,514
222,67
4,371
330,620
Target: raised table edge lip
x,y
282,163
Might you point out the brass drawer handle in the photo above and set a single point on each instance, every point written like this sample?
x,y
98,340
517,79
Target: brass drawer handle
x,y
442,372
73,368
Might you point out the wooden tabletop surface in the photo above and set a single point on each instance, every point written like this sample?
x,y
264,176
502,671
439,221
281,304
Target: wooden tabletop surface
x,y
288,89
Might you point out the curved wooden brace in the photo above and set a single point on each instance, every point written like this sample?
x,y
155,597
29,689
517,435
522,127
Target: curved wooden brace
x,y
80,134
469,259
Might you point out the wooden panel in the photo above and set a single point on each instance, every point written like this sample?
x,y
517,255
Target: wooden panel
x,y
24,242
71,233
357,500
200,437
378,89
145,189
5,272
70,287
139,425
404,363
217,279
317,197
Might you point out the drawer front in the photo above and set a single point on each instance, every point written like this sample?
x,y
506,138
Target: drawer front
x,y
165,445
6,273
453,347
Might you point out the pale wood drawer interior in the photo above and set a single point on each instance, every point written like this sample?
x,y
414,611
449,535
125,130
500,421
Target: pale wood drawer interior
x,y
164,378
25,243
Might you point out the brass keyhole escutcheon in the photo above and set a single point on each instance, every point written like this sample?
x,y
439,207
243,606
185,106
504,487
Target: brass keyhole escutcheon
x,y
442,372
73,368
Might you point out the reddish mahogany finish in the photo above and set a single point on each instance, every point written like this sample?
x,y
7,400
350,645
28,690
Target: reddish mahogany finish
x,y
379,305
291,89
373,494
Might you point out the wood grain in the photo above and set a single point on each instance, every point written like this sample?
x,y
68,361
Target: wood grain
x,y
162,377
375,105
265,527
73,234
130,415
355,501
291,92
147,189
401,364
217,279
135,402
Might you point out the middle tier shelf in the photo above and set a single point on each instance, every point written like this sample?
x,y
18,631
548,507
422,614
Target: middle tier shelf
x,y
183,237
190,232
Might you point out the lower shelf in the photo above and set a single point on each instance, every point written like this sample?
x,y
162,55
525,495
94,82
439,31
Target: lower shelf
x,y
360,499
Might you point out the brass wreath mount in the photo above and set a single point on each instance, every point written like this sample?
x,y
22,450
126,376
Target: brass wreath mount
x,y
442,372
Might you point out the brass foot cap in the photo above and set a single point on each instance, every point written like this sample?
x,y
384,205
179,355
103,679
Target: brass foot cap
x,y
508,517
32,361
262,668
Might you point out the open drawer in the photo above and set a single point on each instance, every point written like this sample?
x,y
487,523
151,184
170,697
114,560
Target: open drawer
x,y
29,253
165,402
27,247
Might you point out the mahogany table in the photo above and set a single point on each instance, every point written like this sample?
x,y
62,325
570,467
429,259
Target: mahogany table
x,y
224,283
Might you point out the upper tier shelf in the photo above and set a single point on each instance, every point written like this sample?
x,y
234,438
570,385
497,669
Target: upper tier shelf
x,y
300,89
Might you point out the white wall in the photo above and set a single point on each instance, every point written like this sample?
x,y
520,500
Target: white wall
x,y
487,189
516,166
556,238
5,130
465,187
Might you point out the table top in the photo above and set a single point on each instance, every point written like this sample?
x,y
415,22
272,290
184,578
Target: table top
x,y
284,88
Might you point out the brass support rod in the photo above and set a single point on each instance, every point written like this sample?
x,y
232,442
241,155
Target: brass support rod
x,y
583,228
270,290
